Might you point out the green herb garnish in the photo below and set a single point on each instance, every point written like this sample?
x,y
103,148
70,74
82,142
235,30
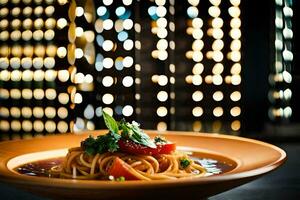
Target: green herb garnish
x,y
133,132
109,141
184,163
103,143
110,123
89,145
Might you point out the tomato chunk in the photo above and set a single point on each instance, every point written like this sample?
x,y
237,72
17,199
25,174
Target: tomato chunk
x,y
120,168
166,148
129,146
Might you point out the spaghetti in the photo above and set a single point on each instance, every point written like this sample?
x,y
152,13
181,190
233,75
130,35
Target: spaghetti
x,y
79,165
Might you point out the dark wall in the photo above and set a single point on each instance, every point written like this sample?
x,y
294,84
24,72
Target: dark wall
x,y
256,18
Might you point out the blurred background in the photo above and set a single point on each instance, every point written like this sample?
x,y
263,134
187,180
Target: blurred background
x,y
227,66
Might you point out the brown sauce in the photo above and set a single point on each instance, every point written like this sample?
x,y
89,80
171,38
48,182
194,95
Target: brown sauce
x,y
41,168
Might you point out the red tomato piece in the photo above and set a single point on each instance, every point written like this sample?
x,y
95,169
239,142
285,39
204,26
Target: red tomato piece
x,y
166,148
120,168
129,146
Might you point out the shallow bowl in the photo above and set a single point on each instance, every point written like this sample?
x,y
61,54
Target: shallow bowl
x,y
250,158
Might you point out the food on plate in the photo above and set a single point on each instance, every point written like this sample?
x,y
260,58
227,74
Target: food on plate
x,y
126,152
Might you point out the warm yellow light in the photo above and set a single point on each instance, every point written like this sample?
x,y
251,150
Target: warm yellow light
x,y
235,56
236,125
217,45
162,126
217,22
63,98
235,2
197,34
228,79
217,56
79,31
38,112
236,79
235,45
235,23
4,75
217,33
197,111
162,111
127,24
127,81
62,113
235,111
161,11
108,63
128,45
189,79
108,24
209,54
127,110
197,126
194,2
234,11
162,80
198,69
197,56
235,96
197,96
50,23
79,11
209,79
197,23
189,54
197,45
218,96
162,22
108,45
160,32
215,2
50,93
196,80
189,30
218,111
236,69
218,68
235,33
162,96
16,75
63,75
214,11
162,44
217,79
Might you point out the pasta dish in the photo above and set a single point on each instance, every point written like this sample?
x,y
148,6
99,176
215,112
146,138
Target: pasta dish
x,y
126,153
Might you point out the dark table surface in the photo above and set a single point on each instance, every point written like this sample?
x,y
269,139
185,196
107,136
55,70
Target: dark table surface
x,y
284,183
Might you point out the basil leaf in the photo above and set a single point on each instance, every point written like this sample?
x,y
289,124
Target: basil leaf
x,y
134,133
110,123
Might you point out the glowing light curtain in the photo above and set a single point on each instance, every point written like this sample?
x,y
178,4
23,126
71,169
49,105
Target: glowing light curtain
x,y
280,78
169,65
208,66
37,67
186,58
